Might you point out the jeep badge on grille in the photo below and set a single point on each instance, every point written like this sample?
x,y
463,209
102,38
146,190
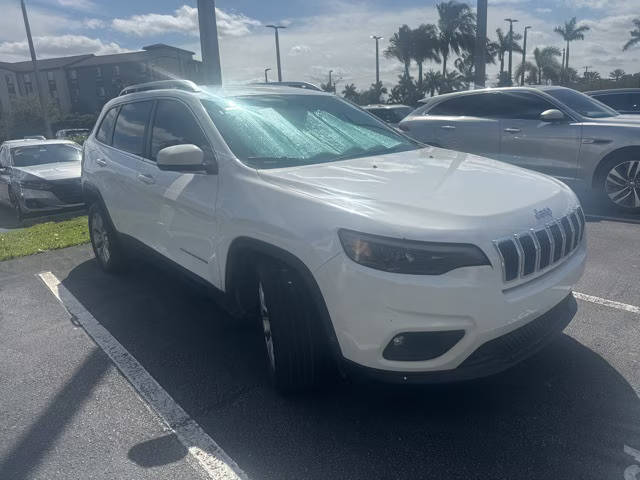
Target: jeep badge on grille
x,y
543,212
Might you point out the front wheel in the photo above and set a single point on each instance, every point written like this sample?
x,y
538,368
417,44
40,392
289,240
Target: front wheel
x,y
622,185
104,241
293,337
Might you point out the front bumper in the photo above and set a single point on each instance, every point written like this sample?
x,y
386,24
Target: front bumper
x,y
65,196
368,308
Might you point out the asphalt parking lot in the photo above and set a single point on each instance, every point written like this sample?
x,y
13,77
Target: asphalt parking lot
x,y
568,412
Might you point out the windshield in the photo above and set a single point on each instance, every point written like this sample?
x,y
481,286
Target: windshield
x,y
272,131
42,154
581,103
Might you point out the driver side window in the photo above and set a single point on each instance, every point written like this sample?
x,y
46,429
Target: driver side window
x,y
521,106
174,124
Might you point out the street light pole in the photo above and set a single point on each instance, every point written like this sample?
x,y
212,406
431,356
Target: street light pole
x,y
32,50
524,53
377,38
276,28
481,43
209,42
266,79
511,22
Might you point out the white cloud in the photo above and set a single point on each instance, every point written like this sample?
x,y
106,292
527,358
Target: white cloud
x,y
185,21
299,50
543,10
56,46
93,23
78,4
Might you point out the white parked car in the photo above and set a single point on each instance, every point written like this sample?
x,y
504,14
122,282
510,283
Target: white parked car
x,y
353,244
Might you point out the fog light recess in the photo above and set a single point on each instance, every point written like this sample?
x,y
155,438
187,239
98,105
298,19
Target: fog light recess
x,y
420,346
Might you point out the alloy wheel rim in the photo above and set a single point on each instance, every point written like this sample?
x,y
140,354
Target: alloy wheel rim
x,y
266,327
622,184
100,238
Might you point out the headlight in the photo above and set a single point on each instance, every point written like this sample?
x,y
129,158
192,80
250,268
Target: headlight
x,y
409,256
34,185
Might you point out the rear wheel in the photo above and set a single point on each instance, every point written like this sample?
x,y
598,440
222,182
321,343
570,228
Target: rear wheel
x,y
104,241
621,184
293,337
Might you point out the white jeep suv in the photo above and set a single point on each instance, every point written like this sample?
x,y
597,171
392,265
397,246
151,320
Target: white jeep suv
x,y
353,244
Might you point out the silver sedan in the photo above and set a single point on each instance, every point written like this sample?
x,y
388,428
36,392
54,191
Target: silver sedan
x,y
554,130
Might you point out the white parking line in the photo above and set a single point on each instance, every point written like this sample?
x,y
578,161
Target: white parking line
x,y
208,454
607,303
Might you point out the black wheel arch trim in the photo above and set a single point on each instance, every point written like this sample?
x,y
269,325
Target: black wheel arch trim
x,y
243,245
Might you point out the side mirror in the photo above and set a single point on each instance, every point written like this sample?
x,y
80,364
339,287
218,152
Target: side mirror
x,y
181,158
552,115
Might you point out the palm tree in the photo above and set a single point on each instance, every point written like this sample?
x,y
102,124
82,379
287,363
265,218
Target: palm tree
x,y
425,47
591,76
465,66
350,92
401,47
546,63
503,45
432,81
530,69
456,30
617,74
635,35
451,82
570,32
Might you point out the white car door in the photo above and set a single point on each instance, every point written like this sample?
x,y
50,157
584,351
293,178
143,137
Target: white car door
x,y
548,147
186,214
129,195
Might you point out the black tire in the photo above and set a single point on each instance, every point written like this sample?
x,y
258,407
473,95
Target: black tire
x,y
620,183
104,240
297,355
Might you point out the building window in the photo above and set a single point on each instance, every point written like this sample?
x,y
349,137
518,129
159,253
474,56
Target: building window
x,y
116,70
28,86
50,77
101,92
73,74
53,88
75,95
98,72
11,87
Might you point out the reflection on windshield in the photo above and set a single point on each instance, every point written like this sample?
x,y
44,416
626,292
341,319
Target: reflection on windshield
x,y
274,131
43,154
581,103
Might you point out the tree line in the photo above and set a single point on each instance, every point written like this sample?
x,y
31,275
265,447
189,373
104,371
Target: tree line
x,y
453,38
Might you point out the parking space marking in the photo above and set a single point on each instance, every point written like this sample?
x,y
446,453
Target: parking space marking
x,y
207,453
607,303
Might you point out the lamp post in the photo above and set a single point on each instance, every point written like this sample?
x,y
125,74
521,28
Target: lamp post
x,y
43,105
377,38
511,22
209,42
481,43
266,79
524,53
276,28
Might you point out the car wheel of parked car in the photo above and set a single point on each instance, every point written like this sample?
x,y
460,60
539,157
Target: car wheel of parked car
x,y
104,241
291,328
622,184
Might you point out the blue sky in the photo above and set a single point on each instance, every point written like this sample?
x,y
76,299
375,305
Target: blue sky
x,y
333,34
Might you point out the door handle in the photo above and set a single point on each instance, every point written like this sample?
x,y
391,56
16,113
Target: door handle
x,y
448,127
100,162
512,130
144,178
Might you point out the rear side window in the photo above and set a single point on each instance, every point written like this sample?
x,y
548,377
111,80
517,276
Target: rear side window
x,y
521,105
617,101
129,132
105,132
478,105
174,124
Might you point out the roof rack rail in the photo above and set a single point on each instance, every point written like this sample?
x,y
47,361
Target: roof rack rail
x,y
186,85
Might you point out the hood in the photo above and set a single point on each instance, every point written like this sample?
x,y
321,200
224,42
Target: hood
x,y
51,171
431,188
